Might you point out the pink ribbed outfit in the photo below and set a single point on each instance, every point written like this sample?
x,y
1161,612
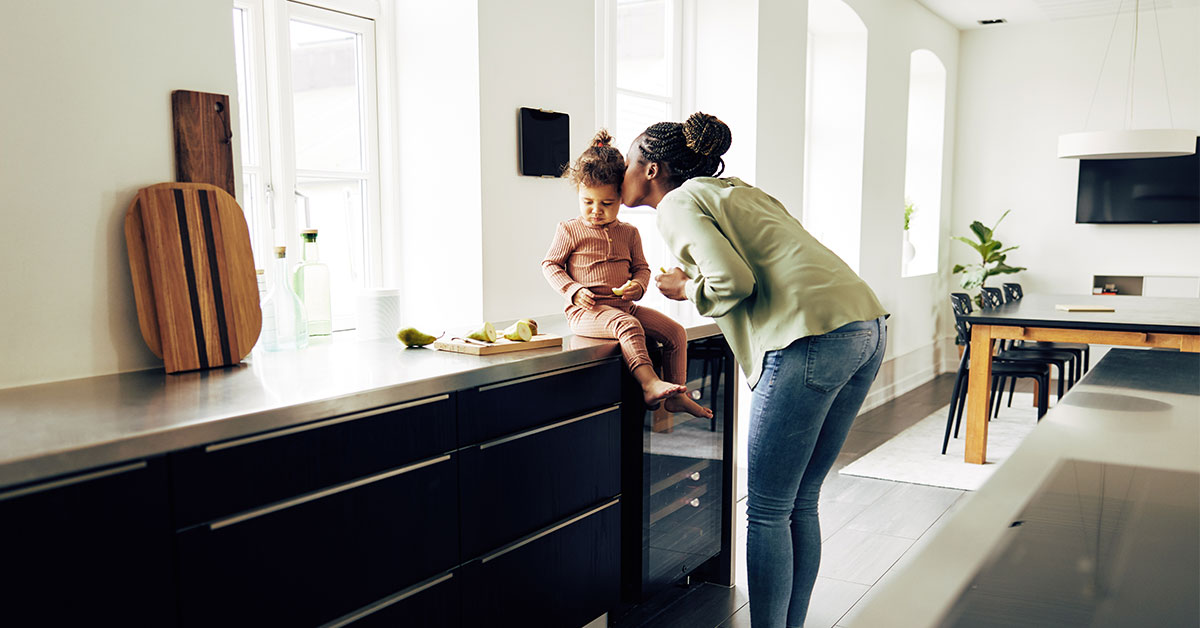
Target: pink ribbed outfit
x,y
600,259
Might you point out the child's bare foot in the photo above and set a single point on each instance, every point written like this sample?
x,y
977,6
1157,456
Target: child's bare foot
x,y
684,403
654,392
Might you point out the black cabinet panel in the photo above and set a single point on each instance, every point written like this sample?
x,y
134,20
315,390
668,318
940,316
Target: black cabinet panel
x,y
88,552
492,411
433,604
225,478
564,579
321,559
514,486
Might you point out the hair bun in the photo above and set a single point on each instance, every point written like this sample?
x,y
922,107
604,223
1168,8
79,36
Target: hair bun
x,y
602,138
707,135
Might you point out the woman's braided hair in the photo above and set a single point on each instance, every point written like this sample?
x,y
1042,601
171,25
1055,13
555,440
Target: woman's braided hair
x,y
601,164
690,149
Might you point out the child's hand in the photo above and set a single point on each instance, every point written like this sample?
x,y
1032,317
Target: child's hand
x,y
670,284
585,299
632,291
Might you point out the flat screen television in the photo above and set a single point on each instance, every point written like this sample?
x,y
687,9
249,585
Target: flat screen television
x,y
1155,190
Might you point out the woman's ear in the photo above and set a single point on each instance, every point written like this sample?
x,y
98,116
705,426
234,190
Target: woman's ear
x,y
652,170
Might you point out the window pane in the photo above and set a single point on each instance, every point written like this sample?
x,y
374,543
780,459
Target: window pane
x,y
245,108
326,97
335,210
643,39
634,114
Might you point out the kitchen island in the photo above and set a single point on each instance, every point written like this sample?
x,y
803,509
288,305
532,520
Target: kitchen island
x,y
351,482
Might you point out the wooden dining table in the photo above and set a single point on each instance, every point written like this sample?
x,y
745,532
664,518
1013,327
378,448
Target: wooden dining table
x,y
1135,321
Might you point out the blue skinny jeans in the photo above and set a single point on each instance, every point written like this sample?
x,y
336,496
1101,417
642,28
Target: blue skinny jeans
x,y
801,411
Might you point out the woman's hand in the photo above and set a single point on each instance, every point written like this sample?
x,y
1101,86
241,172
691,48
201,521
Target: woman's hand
x,y
585,299
670,284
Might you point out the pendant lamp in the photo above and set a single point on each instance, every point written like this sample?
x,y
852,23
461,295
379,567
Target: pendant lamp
x,y
1129,143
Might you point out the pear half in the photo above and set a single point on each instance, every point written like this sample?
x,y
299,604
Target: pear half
x,y
620,290
412,337
518,331
487,333
533,326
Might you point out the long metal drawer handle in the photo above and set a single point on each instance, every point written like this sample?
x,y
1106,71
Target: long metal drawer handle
x,y
319,424
549,531
386,602
315,495
544,428
536,377
38,488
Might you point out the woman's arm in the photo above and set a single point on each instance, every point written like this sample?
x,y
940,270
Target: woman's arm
x,y
554,264
720,278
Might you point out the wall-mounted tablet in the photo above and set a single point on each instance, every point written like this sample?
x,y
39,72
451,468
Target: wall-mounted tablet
x,y
544,138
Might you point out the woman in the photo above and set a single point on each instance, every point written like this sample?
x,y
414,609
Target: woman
x,y
806,330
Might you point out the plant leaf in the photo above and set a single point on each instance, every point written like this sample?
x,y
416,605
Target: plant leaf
x,y
1000,218
958,268
975,245
983,233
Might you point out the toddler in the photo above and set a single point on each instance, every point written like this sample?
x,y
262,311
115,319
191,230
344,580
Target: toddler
x,y
596,262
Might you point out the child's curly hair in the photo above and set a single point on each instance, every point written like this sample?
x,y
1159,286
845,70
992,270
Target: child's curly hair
x,y
601,164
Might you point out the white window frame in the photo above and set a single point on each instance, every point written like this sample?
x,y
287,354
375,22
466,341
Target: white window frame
x,y
273,123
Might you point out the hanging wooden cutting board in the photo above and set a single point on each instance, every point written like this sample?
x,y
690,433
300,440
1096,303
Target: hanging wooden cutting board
x,y
193,275
203,138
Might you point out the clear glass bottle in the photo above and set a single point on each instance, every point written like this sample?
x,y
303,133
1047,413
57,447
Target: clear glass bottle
x,y
284,326
312,286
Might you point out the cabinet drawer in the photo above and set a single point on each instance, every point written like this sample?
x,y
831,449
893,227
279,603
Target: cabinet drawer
x,y
566,575
492,411
231,476
515,485
91,549
434,603
323,555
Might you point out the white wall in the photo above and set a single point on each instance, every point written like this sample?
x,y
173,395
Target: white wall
x,y
532,53
727,76
85,121
438,108
1020,88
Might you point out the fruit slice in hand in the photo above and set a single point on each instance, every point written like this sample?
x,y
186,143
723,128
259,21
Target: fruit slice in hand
x,y
518,331
487,333
620,290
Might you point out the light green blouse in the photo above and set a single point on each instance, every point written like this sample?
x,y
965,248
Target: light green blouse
x,y
755,269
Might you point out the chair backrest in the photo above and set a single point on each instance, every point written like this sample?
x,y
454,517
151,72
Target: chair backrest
x,y
991,297
961,303
1013,292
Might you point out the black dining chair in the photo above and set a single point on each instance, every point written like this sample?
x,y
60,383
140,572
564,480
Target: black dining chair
x,y
1064,361
1039,372
1013,292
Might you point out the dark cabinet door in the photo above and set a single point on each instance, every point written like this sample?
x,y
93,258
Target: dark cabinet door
x,y
564,576
518,484
435,603
323,555
495,410
227,477
92,549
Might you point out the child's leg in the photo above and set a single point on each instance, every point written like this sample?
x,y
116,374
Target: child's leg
x,y
611,322
662,328
673,338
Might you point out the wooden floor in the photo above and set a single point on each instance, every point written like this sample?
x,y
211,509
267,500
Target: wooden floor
x,y
868,527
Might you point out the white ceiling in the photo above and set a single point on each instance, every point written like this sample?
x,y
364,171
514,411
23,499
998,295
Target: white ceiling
x,y
965,14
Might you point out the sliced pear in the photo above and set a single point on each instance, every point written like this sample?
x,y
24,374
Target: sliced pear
x,y
620,290
412,337
518,331
487,333
533,326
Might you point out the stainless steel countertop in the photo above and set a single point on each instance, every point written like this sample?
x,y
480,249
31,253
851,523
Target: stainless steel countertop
x,y
63,427
1110,416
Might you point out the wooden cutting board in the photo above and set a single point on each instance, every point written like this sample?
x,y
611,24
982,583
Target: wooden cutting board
x,y
203,138
502,345
193,275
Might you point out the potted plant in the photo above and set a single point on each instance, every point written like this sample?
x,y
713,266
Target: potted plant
x,y
992,258
909,250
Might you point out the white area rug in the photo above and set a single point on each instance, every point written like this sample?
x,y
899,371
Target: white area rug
x,y
914,455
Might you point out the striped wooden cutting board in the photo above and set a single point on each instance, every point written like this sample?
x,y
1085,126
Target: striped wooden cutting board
x,y
193,275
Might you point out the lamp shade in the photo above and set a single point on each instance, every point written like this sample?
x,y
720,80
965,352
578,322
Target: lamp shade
x,y
1127,144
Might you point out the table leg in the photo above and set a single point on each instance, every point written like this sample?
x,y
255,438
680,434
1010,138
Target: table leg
x,y
979,393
